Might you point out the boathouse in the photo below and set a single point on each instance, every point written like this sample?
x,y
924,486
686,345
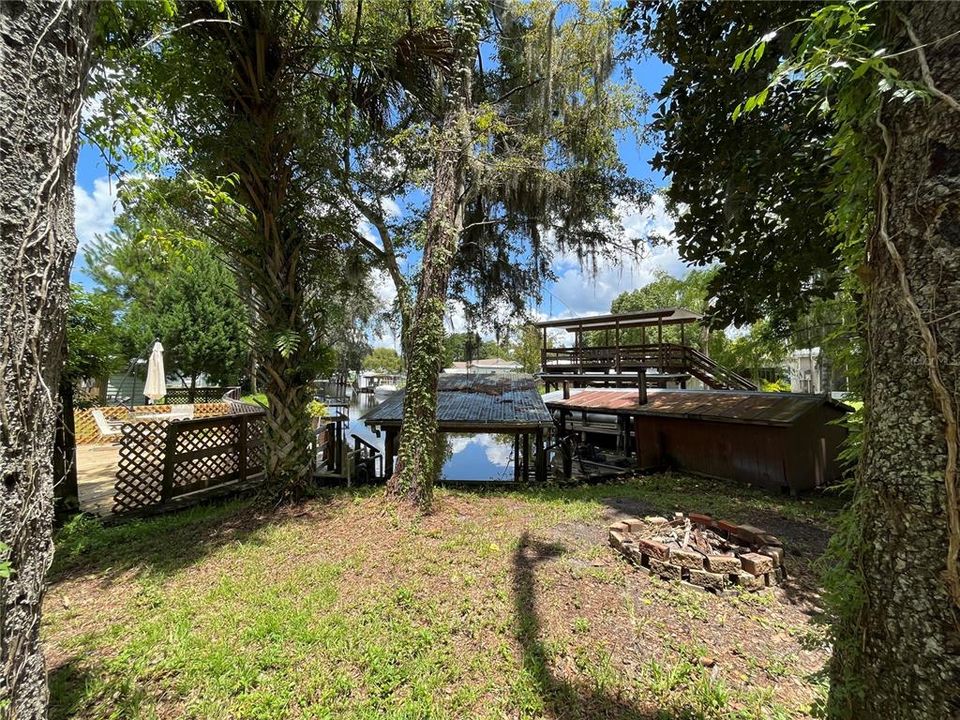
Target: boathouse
x,y
489,403
783,441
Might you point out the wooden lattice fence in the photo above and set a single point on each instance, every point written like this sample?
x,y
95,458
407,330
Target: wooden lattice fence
x,y
87,432
140,466
182,395
163,461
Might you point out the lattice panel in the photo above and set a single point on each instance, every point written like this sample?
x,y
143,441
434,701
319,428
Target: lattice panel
x,y
200,395
88,434
256,452
207,454
208,470
140,466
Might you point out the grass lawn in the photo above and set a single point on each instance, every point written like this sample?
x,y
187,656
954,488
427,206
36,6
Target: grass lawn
x,y
502,604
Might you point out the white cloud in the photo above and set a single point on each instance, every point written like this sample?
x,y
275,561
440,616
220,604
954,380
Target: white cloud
x,y
94,210
386,293
497,452
590,290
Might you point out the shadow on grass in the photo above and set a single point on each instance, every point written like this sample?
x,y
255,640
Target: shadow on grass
x,y
68,684
167,543
562,698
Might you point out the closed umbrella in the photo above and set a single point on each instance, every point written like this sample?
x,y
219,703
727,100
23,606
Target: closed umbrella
x,y
156,385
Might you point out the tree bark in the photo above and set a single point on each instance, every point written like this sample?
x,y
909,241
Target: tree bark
x,y
899,656
274,261
45,55
419,458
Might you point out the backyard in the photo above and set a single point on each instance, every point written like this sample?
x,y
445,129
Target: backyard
x,y
499,604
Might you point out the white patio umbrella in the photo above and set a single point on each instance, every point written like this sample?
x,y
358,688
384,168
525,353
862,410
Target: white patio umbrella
x,y
156,384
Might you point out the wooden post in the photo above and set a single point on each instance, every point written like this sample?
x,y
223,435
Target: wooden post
x,y
169,463
516,457
564,450
683,334
566,390
660,342
242,448
541,458
66,490
526,457
616,340
388,450
642,385
543,351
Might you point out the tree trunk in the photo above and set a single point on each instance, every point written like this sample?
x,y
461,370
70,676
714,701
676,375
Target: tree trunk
x,y
45,55
288,435
419,458
274,259
898,654
66,490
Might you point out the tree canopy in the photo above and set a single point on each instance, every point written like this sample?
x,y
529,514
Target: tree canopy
x,y
383,360
748,195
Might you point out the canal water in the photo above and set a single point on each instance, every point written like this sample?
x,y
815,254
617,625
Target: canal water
x,y
469,458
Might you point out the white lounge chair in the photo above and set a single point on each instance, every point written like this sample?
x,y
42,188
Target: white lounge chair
x,y
181,412
112,429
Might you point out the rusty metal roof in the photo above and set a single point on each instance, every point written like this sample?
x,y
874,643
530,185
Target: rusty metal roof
x,y
478,403
758,408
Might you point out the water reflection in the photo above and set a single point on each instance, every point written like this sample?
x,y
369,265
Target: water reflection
x,y
468,457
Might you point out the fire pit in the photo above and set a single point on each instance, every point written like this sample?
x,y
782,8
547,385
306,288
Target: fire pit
x,y
713,555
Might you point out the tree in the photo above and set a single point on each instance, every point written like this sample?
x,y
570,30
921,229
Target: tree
x,y
94,342
170,283
255,123
883,84
383,360
751,191
461,347
523,143
691,292
526,349
751,352
200,319
46,51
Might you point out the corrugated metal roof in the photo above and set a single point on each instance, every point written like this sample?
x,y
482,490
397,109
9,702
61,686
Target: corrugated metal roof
x,y
719,405
490,402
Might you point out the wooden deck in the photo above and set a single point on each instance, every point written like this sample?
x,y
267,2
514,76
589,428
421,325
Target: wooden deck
x,y
96,475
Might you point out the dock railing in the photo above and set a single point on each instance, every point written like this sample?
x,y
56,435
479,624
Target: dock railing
x,y
667,357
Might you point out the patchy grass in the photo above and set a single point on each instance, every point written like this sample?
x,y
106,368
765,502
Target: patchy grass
x,y
500,604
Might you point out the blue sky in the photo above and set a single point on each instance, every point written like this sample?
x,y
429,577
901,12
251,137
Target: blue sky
x,y
575,291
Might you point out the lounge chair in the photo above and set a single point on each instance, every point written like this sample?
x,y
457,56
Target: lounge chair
x,y
181,412
112,429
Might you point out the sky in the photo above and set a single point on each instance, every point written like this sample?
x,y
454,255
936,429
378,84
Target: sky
x,y
576,291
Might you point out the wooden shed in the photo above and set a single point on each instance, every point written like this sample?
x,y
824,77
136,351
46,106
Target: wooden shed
x,y
781,441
